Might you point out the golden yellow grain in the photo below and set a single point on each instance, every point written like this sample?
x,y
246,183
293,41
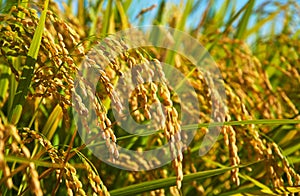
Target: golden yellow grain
x,y
6,172
34,180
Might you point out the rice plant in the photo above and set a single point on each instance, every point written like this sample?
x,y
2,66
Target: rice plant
x,y
51,51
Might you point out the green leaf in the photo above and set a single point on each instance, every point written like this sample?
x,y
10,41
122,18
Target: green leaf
x,y
94,17
263,188
165,183
123,16
4,82
291,149
221,13
188,8
16,114
126,4
243,24
244,122
28,69
23,160
214,124
256,28
107,18
234,17
52,122
160,13
171,181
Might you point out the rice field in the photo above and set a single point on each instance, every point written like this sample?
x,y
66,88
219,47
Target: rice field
x,y
120,97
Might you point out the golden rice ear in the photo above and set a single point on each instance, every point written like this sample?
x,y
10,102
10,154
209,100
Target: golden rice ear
x,y
34,180
3,166
94,178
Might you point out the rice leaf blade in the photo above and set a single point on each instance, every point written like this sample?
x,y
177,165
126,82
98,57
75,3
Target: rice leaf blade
x,y
243,24
28,69
52,122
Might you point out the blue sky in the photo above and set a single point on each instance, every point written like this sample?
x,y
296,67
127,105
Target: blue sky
x,y
193,20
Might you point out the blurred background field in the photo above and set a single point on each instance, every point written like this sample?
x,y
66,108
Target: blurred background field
x,y
255,44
